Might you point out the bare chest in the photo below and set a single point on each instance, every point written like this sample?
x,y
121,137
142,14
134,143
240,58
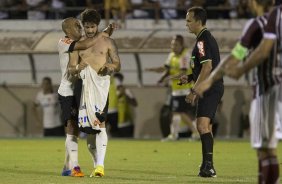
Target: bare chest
x,y
99,49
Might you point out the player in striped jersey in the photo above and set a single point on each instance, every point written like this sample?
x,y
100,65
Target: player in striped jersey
x,y
68,43
262,113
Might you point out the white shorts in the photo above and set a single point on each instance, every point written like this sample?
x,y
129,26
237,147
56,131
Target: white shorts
x,y
264,119
279,115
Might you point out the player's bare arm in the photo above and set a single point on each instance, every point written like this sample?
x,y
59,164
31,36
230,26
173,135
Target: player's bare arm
x,y
156,69
258,55
204,74
75,66
114,66
164,76
38,118
177,76
228,62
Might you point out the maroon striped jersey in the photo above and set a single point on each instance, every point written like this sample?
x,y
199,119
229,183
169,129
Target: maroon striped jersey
x,y
250,39
272,72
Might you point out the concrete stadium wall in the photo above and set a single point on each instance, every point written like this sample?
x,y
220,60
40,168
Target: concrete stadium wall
x,y
147,125
16,71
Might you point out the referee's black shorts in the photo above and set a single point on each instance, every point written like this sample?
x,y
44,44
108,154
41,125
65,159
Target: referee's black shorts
x,y
69,108
208,104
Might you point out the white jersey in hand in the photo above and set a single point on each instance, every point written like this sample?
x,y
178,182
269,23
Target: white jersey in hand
x,y
94,97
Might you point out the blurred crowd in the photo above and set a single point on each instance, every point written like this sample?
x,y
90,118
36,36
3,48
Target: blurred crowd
x,y
122,9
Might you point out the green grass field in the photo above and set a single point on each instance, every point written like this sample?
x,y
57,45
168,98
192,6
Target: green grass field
x,y
40,161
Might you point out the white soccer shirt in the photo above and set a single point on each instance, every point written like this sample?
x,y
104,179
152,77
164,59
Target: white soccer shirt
x,y
66,88
50,105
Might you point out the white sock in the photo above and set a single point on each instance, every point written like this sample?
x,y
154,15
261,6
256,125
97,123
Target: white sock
x,y
67,164
72,147
174,126
91,145
101,146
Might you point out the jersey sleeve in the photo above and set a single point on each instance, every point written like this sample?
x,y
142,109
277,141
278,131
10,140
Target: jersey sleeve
x,y
66,45
247,40
167,62
248,34
269,30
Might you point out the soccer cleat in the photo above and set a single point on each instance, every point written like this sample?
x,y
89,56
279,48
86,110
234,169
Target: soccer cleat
x,y
98,172
76,172
66,172
207,170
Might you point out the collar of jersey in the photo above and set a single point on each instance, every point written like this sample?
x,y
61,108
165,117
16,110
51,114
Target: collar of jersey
x,y
201,32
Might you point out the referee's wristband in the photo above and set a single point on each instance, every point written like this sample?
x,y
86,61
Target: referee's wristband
x,y
193,91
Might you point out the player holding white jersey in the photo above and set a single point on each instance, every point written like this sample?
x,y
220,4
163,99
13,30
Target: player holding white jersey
x,y
72,30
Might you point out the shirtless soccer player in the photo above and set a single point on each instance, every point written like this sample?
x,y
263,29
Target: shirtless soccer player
x,y
102,60
68,43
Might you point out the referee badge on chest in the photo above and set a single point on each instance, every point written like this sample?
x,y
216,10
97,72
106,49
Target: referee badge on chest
x,y
192,62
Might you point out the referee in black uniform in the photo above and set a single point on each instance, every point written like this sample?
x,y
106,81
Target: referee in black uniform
x,y
205,57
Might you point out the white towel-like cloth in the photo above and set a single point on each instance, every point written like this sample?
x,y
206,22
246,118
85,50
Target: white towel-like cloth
x,y
94,96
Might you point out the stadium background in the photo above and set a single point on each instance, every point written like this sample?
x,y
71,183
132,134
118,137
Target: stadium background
x,y
28,52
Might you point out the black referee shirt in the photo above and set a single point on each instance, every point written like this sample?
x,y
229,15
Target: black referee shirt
x,y
205,49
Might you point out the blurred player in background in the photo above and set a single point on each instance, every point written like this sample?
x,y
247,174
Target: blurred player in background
x,y
177,65
48,101
126,104
112,117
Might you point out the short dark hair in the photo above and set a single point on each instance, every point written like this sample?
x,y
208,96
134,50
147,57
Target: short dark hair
x,y
90,15
199,14
179,38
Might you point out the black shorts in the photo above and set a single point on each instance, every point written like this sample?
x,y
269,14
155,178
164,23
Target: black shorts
x,y
77,91
207,105
106,108
178,104
69,108
56,132
112,120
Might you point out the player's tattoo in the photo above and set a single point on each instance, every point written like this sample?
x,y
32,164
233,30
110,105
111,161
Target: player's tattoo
x,y
113,53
